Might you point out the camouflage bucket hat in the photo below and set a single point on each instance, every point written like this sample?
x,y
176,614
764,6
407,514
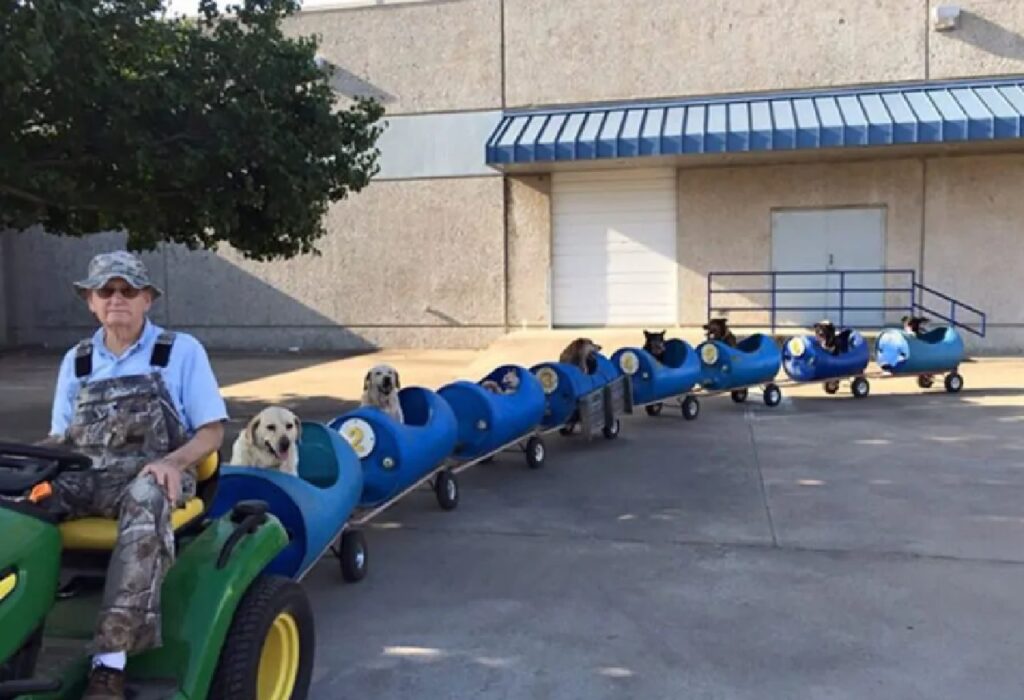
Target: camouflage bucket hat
x,y
120,263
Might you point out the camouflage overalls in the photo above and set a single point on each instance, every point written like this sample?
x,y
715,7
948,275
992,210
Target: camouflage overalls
x,y
125,423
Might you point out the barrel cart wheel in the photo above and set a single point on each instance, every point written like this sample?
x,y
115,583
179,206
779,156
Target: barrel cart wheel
x,y
954,383
772,395
535,453
690,408
831,387
654,409
924,381
352,555
446,488
738,395
860,388
611,431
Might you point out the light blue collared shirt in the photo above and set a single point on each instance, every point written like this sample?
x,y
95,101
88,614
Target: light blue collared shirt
x,y
188,376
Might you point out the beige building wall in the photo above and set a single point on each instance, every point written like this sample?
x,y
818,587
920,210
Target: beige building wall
x,y
725,218
593,50
974,245
529,250
406,264
989,41
420,57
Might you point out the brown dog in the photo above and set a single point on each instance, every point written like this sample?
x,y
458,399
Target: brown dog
x,y
718,329
580,353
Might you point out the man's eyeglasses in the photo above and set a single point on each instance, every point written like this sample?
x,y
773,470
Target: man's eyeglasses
x,y
126,292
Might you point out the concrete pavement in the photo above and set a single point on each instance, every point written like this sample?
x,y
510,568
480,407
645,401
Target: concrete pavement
x,y
826,548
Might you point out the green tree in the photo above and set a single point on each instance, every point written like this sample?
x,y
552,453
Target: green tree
x,y
197,131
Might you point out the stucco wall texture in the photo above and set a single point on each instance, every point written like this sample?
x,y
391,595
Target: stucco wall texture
x,y
422,57
411,264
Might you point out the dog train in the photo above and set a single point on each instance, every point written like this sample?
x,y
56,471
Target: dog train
x,y
325,481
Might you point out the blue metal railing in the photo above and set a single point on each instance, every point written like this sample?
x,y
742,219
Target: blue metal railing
x,y
906,289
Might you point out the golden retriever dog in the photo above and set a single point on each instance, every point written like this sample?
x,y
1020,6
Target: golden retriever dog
x,y
580,352
270,441
509,383
380,390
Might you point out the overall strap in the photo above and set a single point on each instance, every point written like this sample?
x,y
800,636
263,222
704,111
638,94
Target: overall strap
x,y
83,358
162,349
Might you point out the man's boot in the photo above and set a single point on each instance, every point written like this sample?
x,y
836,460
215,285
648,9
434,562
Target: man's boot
x,y
105,684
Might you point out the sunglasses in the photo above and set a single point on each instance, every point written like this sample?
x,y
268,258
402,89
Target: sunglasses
x,y
126,292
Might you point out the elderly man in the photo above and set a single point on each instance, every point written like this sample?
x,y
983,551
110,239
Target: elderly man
x,y
145,405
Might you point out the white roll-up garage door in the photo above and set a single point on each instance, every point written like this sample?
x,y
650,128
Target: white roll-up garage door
x,y
614,248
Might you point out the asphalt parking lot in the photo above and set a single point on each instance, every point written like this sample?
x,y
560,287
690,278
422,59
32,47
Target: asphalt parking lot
x,y
826,548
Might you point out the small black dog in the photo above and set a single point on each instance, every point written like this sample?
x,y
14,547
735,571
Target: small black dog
x,y
654,343
718,329
914,324
832,342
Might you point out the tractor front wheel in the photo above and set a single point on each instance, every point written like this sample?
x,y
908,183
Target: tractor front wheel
x,y
268,653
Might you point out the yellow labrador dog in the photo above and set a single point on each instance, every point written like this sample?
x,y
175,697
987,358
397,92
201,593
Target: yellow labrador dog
x,y
380,390
270,441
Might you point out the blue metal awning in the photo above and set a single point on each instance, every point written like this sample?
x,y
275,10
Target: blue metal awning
x,y
920,113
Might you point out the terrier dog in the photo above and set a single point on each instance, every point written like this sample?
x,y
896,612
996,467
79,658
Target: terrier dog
x,y
380,390
269,441
914,324
832,342
509,383
718,329
654,343
581,353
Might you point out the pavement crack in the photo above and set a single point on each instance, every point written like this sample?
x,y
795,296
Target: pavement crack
x,y
760,482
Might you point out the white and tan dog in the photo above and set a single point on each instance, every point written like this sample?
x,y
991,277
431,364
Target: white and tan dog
x,y
380,390
509,383
269,441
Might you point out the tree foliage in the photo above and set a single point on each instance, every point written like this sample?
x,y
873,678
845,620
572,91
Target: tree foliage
x,y
196,131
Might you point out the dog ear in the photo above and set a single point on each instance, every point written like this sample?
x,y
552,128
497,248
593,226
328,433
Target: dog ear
x,y
254,425
298,429
398,380
366,380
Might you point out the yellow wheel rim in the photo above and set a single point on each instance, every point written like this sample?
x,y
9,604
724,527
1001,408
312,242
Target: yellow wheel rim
x,y
279,660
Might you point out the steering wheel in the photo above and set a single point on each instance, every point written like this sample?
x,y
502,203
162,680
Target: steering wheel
x,y
24,466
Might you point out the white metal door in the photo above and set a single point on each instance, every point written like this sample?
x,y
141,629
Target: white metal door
x,y
836,240
614,248
799,244
856,241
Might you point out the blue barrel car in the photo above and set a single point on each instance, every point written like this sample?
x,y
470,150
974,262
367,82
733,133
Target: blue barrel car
x,y
591,399
397,457
313,507
805,360
654,381
754,361
938,351
502,409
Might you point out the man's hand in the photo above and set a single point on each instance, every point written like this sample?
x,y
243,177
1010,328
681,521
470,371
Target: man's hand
x,y
166,475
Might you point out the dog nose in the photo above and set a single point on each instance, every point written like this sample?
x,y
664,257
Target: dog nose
x,y
386,382
284,443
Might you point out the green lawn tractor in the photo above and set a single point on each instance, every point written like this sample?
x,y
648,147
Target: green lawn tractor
x,y
230,631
